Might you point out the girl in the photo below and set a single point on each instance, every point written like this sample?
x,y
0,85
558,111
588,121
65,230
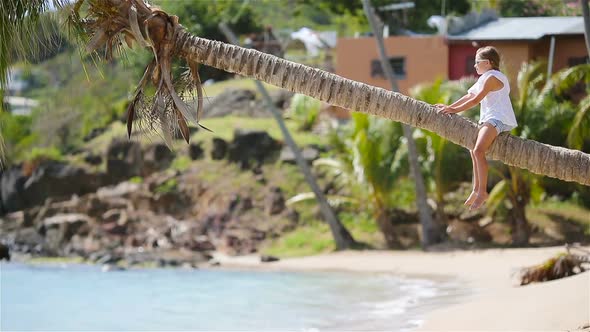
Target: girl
x,y
492,91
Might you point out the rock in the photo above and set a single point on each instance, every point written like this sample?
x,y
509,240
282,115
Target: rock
x,y
108,259
274,202
268,258
252,146
156,157
124,160
219,150
469,232
60,228
28,240
12,189
4,252
195,151
309,154
93,159
48,179
95,132
232,101
111,268
281,98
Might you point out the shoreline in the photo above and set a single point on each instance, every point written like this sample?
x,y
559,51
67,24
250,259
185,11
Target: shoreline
x,y
493,300
498,303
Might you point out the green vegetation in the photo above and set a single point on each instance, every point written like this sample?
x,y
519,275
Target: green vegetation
x,y
365,161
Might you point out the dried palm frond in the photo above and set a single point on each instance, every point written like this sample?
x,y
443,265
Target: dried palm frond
x,y
112,22
561,266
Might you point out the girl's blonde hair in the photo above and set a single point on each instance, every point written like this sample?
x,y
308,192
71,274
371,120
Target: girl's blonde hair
x,y
491,54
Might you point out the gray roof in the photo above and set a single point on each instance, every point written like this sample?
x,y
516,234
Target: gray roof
x,y
523,28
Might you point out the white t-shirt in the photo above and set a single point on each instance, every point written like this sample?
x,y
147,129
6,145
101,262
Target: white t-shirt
x,y
496,105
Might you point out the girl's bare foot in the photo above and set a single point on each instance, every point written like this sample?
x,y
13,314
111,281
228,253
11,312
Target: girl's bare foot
x,y
479,201
471,198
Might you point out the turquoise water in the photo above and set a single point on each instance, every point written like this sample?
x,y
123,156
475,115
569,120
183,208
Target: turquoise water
x,y
83,298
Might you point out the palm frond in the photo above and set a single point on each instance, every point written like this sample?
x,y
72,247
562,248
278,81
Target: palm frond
x,y
497,196
333,200
22,25
580,128
560,266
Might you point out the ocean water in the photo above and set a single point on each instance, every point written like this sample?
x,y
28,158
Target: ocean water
x,y
83,298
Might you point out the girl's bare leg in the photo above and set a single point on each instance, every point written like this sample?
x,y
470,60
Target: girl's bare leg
x,y
485,137
473,194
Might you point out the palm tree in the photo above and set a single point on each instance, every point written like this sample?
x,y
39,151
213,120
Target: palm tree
x,y
536,106
432,232
112,20
376,157
342,236
444,173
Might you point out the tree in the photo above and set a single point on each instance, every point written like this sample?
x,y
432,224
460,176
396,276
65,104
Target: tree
x,y
431,232
372,160
342,237
446,163
167,36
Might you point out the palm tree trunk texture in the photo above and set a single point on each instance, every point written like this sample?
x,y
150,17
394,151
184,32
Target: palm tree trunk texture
x,y
544,159
557,162
431,232
519,198
342,237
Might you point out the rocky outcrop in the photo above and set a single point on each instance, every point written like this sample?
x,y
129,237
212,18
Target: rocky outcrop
x,y
48,179
138,223
4,252
243,102
124,160
252,148
156,157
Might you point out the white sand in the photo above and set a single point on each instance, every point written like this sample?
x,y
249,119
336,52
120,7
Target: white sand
x,y
499,304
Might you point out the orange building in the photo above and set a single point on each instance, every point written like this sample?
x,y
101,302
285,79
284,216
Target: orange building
x,y
419,59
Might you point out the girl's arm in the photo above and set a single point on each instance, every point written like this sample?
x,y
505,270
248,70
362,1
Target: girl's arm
x,y
462,100
490,84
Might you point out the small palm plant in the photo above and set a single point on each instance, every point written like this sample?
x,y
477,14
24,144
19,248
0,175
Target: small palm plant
x,y
445,164
305,110
373,152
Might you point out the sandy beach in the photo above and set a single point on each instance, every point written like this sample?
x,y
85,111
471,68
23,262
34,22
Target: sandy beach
x,y
497,304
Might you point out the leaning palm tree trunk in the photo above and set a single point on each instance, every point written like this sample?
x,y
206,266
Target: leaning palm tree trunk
x,y
557,162
431,233
341,236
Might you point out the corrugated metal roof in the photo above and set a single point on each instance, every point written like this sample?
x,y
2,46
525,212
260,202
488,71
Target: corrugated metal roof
x,y
523,28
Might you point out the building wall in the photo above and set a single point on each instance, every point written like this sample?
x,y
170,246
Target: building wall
x,y
566,48
425,59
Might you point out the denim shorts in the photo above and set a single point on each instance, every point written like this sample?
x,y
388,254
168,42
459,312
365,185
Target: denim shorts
x,y
499,125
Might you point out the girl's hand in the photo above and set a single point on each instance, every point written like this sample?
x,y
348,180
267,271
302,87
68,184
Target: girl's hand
x,y
444,109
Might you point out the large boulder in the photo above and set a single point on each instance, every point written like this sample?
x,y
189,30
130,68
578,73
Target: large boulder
x,y
4,252
12,187
156,157
252,146
60,228
233,101
309,154
219,150
124,160
243,102
195,151
49,179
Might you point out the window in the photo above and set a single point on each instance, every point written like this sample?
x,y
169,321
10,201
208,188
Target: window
x,y
398,64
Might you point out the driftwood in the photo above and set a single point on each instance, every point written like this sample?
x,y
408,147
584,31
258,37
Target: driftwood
x,y
575,260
